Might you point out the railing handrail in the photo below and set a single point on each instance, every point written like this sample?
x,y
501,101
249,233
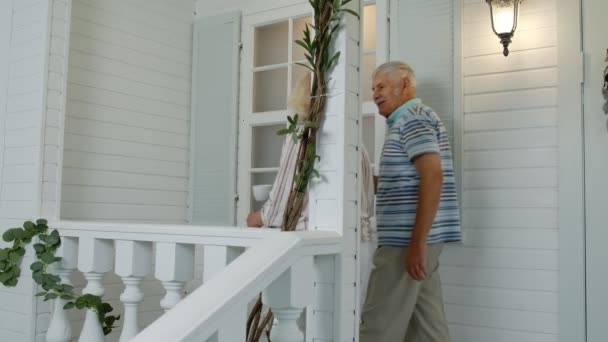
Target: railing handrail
x,y
202,313
175,233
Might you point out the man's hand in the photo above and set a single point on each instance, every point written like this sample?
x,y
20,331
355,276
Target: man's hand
x,y
254,219
415,260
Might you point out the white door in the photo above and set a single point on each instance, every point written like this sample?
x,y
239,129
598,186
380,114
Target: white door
x,y
595,45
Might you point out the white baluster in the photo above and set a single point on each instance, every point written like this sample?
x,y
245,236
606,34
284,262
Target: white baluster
x,y
215,258
59,327
287,296
133,262
94,259
174,267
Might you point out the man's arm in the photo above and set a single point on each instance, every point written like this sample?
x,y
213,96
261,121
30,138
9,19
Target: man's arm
x,y
429,194
375,184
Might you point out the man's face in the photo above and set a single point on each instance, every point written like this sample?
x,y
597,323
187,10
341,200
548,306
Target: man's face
x,y
389,93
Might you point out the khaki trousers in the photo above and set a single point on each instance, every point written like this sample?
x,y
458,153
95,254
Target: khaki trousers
x,y
398,308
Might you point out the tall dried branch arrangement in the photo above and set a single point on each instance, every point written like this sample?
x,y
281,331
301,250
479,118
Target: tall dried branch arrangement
x,y
317,43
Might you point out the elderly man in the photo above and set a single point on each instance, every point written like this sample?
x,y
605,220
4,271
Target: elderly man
x,y
416,213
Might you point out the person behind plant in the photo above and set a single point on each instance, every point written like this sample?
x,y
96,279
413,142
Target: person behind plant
x,y
416,213
271,214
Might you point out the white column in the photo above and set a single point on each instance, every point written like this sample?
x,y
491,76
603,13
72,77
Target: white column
x,y
59,327
94,259
133,262
287,297
333,200
174,267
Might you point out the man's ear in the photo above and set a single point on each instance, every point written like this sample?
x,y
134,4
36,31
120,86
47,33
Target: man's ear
x,y
406,82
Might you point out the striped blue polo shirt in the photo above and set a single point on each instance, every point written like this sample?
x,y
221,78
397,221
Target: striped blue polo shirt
x,y
414,129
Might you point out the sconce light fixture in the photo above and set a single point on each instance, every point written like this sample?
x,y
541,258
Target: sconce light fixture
x,y
504,14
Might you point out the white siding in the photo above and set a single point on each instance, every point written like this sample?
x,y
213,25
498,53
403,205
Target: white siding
x,y
127,118
23,42
501,285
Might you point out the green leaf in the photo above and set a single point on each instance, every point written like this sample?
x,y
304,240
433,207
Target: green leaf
x,y
36,266
349,11
39,294
47,257
68,305
12,282
2,265
307,66
302,44
20,250
283,131
8,235
38,278
53,239
309,124
3,254
18,233
4,276
29,225
14,257
67,288
334,59
39,248
316,173
50,296
66,297
43,221
105,307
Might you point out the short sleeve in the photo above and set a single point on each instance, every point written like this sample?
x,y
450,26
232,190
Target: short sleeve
x,y
418,137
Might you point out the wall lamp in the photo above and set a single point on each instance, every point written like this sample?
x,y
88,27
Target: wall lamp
x,y
504,14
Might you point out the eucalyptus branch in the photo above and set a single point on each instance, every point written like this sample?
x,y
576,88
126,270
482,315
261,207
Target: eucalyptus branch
x,y
11,257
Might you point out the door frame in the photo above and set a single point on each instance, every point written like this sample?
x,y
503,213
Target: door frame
x,y
571,186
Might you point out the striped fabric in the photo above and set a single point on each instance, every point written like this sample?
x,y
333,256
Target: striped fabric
x,y
413,130
273,209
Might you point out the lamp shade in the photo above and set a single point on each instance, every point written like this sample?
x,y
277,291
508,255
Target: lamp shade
x,y
504,15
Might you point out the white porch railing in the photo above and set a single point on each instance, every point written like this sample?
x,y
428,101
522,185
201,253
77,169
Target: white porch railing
x,y
278,264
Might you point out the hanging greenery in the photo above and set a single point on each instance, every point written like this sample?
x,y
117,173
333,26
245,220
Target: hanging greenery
x,y
10,259
317,43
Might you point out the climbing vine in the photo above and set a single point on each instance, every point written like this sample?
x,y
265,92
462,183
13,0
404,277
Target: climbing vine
x,y
45,246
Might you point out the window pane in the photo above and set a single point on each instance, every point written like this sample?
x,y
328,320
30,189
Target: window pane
x,y
298,34
270,45
369,28
270,90
266,146
368,64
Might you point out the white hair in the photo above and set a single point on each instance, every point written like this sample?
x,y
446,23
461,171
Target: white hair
x,y
397,68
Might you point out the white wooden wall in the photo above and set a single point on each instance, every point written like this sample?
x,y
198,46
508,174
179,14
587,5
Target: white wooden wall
x,y
502,284
128,111
127,122
23,42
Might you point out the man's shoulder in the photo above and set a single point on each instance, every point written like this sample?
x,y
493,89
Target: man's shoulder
x,y
417,113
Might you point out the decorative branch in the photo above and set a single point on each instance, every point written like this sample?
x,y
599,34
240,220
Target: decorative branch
x,y
10,259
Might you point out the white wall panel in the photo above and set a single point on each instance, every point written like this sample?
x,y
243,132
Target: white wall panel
x,y
501,285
